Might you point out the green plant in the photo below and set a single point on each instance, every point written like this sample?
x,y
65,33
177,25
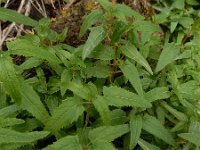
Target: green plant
x,y
127,87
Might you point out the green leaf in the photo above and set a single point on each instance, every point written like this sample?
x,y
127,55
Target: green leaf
x,y
32,103
118,117
105,4
145,26
147,146
96,35
79,90
180,4
107,133
66,76
68,112
13,16
131,52
119,97
66,143
91,19
167,56
103,52
102,107
9,110
135,130
157,93
102,146
7,122
191,137
192,2
131,73
119,29
11,136
153,126
9,78
26,47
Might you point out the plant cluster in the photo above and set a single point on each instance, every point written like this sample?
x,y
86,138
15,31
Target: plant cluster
x,y
134,84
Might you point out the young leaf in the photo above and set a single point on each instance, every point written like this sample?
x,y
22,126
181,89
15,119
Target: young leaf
x,y
119,97
157,93
168,55
118,117
107,133
96,35
131,52
102,107
153,126
32,103
66,143
62,115
191,137
147,146
11,136
105,4
135,130
9,78
102,146
9,110
13,16
66,76
119,29
91,19
131,73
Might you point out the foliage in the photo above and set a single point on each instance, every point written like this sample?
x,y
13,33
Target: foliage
x,y
134,84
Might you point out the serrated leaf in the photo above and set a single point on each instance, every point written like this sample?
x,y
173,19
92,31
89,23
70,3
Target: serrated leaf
x,y
9,78
135,130
66,143
91,19
103,52
32,103
107,133
79,90
147,146
96,35
119,29
131,73
157,93
153,126
131,52
11,136
13,16
62,115
119,97
9,110
102,107
191,137
7,122
66,76
145,26
26,47
167,56
102,146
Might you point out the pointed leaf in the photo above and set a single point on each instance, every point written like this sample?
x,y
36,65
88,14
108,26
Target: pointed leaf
x,y
32,103
66,76
167,56
11,136
157,93
89,20
131,52
147,146
131,73
191,137
135,130
102,107
153,126
107,133
9,78
105,4
66,143
119,97
9,110
68,112
7,122
96,35
13,16
102,146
